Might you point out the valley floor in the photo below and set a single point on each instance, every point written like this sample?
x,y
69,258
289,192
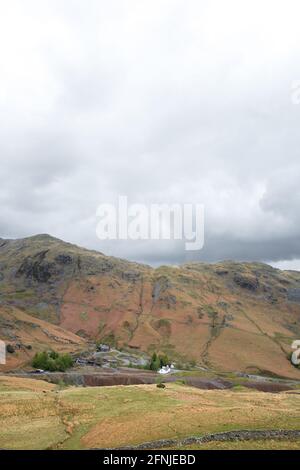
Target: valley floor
x,y
38,415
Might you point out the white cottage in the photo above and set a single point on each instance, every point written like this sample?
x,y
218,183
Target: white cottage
x,y
164,370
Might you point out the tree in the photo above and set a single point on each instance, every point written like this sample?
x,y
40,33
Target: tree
x,y
157,362
164,360
52,361
40,360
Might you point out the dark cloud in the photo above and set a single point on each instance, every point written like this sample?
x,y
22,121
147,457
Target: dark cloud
x,y
164,102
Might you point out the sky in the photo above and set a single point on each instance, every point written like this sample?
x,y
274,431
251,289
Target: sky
x,y
165,101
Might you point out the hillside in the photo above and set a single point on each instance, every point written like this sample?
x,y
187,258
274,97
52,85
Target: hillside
x,y
226,316
27,335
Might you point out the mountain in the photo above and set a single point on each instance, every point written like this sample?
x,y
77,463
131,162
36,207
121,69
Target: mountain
x,y
227,316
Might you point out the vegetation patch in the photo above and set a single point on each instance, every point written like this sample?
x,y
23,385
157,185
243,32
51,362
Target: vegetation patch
x,y
84,316
157,361
52,361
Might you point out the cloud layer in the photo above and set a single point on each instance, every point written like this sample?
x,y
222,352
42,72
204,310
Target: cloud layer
x,y
163,101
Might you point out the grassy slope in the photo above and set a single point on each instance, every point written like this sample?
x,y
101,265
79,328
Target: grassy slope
x,y
116,416
39,334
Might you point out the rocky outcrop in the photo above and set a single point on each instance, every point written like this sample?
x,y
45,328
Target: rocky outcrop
x,y
36,268
246,281
131,276
294,295
161,285
63,259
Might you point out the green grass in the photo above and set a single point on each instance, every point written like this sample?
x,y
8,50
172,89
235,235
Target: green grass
x,y
110,402
95,417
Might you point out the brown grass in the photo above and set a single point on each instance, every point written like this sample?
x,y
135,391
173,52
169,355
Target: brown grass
x,y
129,415
16,383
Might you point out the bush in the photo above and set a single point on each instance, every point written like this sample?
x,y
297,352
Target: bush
x,y
52,361
10,349
53,355
40,360
193,363
161,385
110,339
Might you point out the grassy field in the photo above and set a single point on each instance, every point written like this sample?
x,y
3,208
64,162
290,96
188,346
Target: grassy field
x,y
38,415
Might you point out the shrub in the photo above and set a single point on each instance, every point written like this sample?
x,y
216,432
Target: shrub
x,y
64,362
193,363
10,349
110,339
161,385
40,360
52,361
51,365
54,355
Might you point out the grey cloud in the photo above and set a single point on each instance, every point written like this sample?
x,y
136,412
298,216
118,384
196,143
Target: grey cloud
x,y
161,101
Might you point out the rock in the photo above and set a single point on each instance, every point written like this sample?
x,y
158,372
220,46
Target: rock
x,y
36,268
63,259
161,285
229,317
246,281
221,272
131,276
169,300
103,348
92,266
293,295
223,305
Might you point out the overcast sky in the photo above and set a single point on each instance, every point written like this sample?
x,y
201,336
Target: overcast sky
x,y
162,101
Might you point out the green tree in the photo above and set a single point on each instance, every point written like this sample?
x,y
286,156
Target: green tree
x,y
158,361
164,360
40,360
52,361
